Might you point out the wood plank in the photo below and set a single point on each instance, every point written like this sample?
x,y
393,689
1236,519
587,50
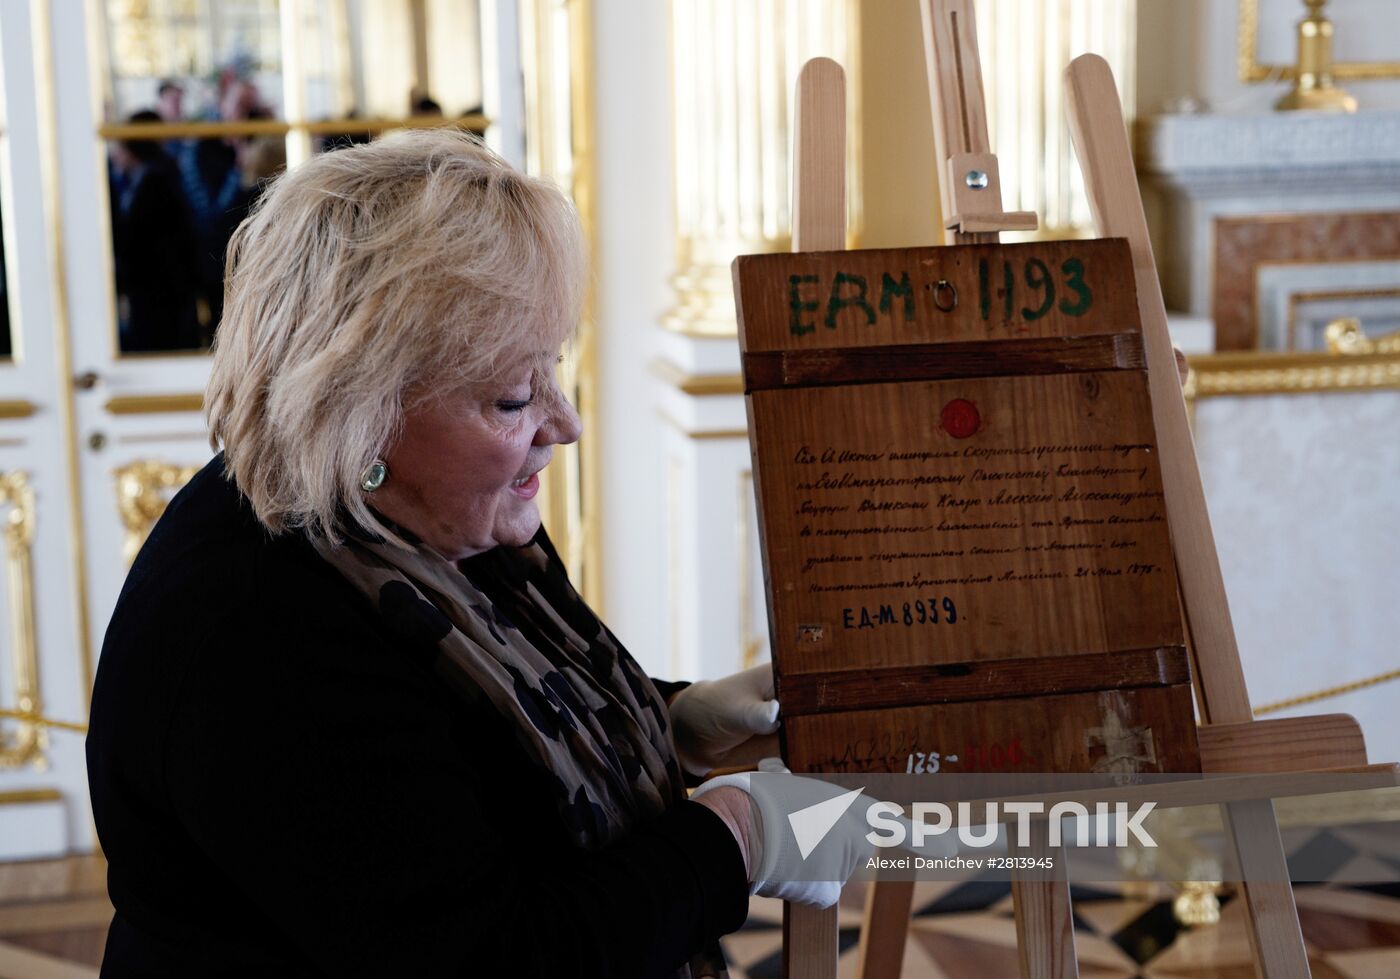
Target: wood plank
x,y
1176,792
951,521
811,941
885,928
1283,744
1044,922
1101,142
955,87
1274,933
900,296
810,936
1147,730
932,361
819,171
841,690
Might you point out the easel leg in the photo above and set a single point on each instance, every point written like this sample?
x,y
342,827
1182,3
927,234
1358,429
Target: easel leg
x,y
1274,933
885,929
810,944
1096,123
1044,923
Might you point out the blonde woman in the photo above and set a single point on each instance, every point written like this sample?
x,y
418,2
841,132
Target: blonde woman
x,y
351,718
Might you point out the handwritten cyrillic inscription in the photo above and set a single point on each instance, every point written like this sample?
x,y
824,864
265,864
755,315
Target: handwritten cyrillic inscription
x,y
911,543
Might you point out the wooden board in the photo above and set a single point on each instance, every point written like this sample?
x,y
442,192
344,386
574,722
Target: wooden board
x,y
1124,731
890,296
960,501
896,537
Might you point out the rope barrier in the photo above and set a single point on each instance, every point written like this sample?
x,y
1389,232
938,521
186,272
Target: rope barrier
x,y
1328,692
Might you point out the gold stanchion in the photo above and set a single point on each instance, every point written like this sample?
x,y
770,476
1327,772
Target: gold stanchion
x,y
1314,88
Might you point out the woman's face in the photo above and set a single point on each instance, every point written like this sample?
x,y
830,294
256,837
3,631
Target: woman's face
x,y
463,475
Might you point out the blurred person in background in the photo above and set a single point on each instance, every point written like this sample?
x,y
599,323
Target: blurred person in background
x,y
154,248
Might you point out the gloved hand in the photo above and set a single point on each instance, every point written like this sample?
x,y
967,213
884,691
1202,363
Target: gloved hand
x,y
779,867
714,719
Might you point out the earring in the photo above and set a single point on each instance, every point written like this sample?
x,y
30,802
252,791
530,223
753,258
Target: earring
x,y
374,475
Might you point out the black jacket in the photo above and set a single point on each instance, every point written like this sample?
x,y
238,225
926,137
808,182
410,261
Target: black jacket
x,y
279,793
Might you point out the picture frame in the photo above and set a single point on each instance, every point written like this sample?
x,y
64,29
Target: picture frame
x,y
1251,70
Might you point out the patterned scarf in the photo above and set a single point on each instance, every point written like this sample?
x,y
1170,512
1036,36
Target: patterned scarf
x,y
525,641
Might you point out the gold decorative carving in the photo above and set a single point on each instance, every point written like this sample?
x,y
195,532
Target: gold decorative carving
x,y
142,494
26,745
17,797
1296,299
1250,70
1250,372
145,404
1345,336
17,409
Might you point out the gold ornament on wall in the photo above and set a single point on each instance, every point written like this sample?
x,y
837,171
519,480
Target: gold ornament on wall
x,y
144,487
1345,336
26,745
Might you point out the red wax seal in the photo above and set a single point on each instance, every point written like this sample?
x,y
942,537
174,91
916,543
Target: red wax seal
x,y
960,418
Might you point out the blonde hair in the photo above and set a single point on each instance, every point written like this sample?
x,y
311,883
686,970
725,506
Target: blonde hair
x,y
364,281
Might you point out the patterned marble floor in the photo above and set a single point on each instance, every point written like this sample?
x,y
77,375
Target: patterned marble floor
x,y
967,930
54,914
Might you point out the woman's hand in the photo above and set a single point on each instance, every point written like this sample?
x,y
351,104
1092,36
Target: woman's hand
x,y
726,722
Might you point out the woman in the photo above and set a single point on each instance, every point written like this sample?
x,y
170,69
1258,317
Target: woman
x,y
351,718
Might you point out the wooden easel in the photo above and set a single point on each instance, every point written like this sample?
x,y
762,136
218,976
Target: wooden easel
x,y
1229,740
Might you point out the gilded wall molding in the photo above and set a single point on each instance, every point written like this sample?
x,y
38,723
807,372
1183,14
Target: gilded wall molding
x,y
24,747
143,490
1252,372
148,404
17,409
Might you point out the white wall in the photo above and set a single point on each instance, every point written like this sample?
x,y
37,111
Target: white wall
x,y
636,256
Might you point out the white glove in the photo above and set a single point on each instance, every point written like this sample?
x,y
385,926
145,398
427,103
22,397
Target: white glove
x,y
780,869
712,718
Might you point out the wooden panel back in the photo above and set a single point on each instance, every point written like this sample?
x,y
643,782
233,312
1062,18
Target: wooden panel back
x,y
955,464
1014,514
